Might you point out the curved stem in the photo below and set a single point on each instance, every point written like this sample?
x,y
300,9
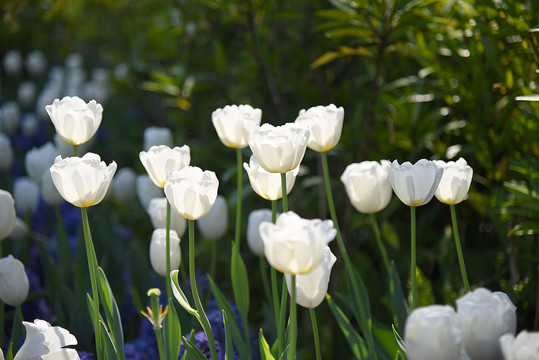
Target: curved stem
x,y
314,324
413,259
239,190
167,250
379,242
285,195
459,249
202,314
293,319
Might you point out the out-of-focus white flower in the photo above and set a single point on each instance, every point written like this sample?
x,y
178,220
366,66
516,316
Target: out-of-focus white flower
x,y
415,184
268,185
452,151
121,72
10,117
20,230
84,181
254,240
146,190
157,209
294,245
455,182
311,288
46,97
13,62
14,284
7,152
433,332
38,160
26,195
235,123
484,317
154,136
158,251
49,191
73,60
74,120
324,124
124,184
524,347
29,125
279,149
7,214
36,63
159,160
367,185
26,94
214,224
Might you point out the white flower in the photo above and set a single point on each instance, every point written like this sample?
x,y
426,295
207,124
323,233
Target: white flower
x,y
235,123
14,285
367,185
38,160
311,288
524,347
157,209
29,125
20,230
26,94
124,184
84,181
158,251
433,332
455,182
324,124
294,245
7,152
214,224
146,190
13,62
484,317
191,192
160,160
279,149
26,195
10,117
36,63
154,136
254,240
74,120
7,214
266,184
415,184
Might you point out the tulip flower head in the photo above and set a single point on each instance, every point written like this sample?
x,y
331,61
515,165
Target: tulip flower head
x,y
7,214
158,251
160,160
7,152
367,185
214,224
10,117
324,124
254,240
455,182
311,288
14,284
39,160
26,195
124,184
234,124
74,120
279,149
147,190
157,209
266,184
524,347
433,332
155,136
294,245
415,184
84,181
484,317
191,192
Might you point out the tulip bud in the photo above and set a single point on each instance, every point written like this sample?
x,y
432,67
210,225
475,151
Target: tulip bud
x,y
157,209
325,125
484,317
39,160
455,182
26,195
14,284
254,240
146,190
160,160
524,347
214,224
415,184
433,332
7,214
7,152
266,184
155,136
158,251
235,123
124,184
10,117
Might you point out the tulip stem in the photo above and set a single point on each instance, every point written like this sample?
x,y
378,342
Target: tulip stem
x,y
459,248
285,195
264,277
282,316
293,319
167,250
239,161
202,314
379,242
314,323
76,150
92,268
413,259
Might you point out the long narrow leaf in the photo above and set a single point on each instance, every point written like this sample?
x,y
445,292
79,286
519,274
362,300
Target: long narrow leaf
x,y
172,332
110,351
112,314
265,351
193,351
398,299
229,350
240,281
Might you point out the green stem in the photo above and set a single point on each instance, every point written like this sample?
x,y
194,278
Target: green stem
x,y
239,161
202,314
314,323
264,277
17,328
273,211
285,195
282,316
92,268
293,319
459,249
76,150
167,250
379,242
160,346
413,259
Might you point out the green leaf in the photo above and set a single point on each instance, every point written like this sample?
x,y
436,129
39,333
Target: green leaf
x,y
398,299
172,332
193,351
265,351
109,349
390,235
356,342
229,350
112,313
240,281
180,296
399,340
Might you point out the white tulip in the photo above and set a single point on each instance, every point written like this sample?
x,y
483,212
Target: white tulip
x,y
279,149
254,240
13,62
311,288
235,123
36,63
415,184
26,195
7,214
455,182
484,317
49,191
367,185
157,209
10,117
14,284
84,181
214,224
39,160
160,160
7,152
124,184
158,251
154,136
146,190
294,245
26,94
74,120
324,124
266,184
433,332
524,347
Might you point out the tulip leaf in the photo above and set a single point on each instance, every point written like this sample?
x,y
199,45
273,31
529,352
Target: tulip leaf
x,y
172,332
229,350
385,340
193,351
399,340
112,313
356,342
265,351
180,296
9,354
240,282
107,343
398,299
